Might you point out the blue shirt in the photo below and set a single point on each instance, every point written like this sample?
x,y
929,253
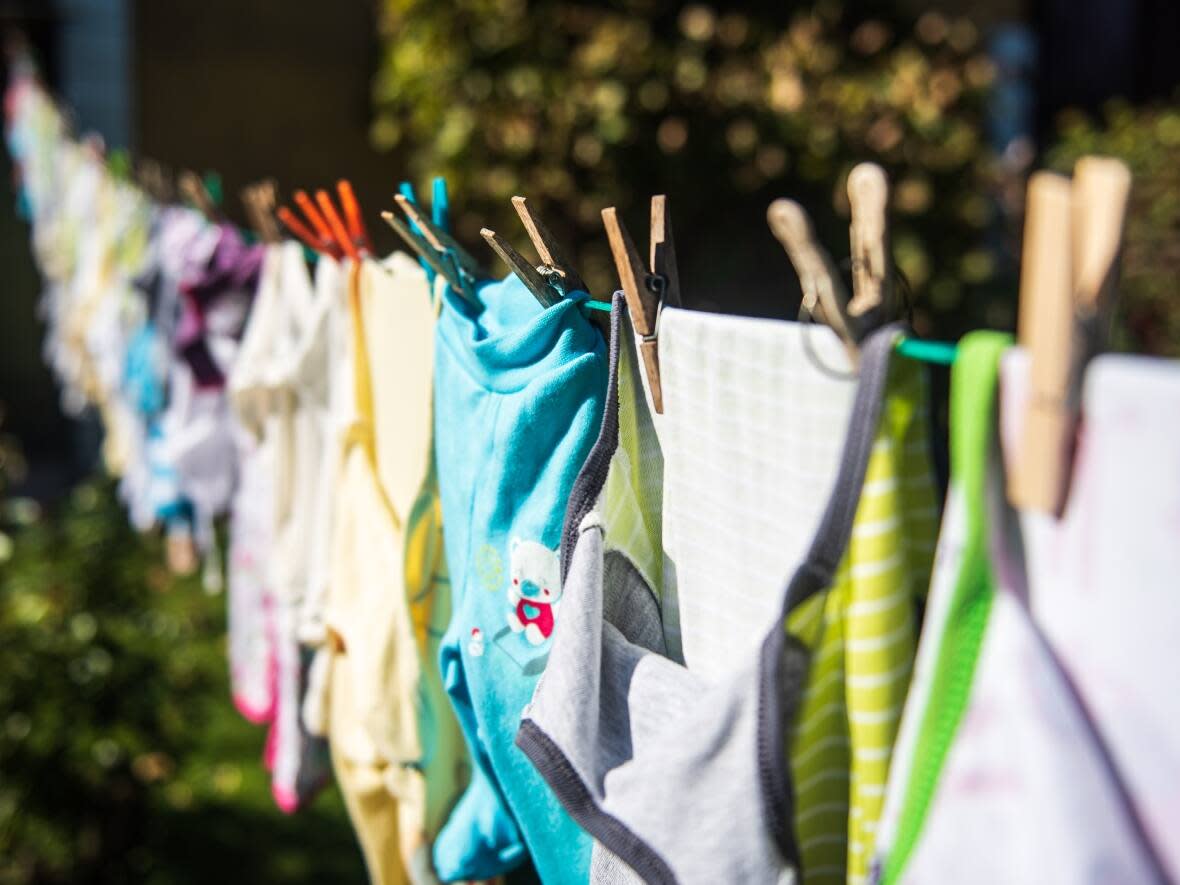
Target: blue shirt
x,y
518,400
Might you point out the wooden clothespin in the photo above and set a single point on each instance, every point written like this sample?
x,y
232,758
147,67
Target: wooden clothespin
x,y
554,278
259,202
1072,236
1045,329
872,289
154,181
646,285
193,189
824,295
529,275
1101,189
554,263
441,252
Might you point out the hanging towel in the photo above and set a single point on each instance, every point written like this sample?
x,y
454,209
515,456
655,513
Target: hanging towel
x,y
753,412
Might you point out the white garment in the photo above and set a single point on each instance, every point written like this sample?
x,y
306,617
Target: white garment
x,y
751,435
253,627
278,445
320,369
291,424
324,370
1104,580
1027,792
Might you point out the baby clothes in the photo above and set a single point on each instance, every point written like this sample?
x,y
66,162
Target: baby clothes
x,y
267,592
751,410
150,486
323,369
399,336
1001,774
395,746
862,638
300,760
198,425
1108,568
518,396
608,712
253,639
322,366
741,454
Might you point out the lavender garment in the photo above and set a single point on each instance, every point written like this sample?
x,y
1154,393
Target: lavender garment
x,y
215,303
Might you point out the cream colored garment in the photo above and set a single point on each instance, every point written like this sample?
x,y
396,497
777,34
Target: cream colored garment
x,y
391,728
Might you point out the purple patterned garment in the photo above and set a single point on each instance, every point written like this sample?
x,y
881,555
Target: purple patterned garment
x,y
216,302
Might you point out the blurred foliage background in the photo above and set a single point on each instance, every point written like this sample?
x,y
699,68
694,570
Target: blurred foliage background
x,y
583,107
121,757
1148,139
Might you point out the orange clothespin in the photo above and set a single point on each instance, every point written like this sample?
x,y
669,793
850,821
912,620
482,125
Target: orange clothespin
x,y
353,217
339,232
327,243
291,221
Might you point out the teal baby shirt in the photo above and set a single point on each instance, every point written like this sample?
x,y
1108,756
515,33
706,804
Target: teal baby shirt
x,y
518,399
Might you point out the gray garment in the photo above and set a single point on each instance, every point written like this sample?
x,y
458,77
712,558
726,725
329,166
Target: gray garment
x,y
683,781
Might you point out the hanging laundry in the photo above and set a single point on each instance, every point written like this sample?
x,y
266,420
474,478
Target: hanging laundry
x,y
618,777
518,395
267,576
324,369
1107,569
1007,765
396,747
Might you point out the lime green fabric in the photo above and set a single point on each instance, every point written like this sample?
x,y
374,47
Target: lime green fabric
x,y
973,426
632,500
862,636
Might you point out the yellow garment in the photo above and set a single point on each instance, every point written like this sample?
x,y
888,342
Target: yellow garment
x,y
374,815
862,634
388,602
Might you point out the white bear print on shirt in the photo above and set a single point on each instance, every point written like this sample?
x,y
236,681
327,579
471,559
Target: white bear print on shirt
x,y
535,591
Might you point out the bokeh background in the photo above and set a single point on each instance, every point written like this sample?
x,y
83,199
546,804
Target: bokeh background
x,y
121,758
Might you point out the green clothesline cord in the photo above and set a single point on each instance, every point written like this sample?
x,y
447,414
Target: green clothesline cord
x,y
604,306
940,352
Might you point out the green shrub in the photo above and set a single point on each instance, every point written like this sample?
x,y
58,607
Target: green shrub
x,y
122,758
97,692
